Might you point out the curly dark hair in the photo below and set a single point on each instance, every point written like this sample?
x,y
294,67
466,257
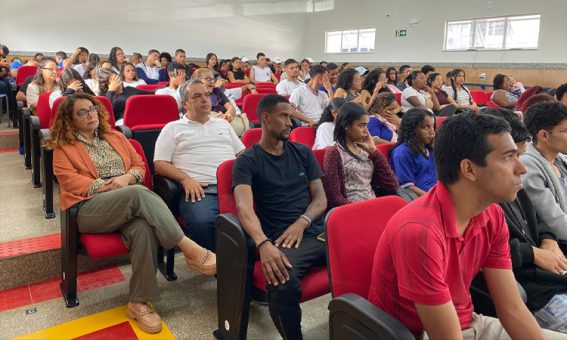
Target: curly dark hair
x,y
413,120
544,116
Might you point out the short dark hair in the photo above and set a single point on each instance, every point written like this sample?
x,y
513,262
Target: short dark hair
x,y
61,54
260,54
544,116
519,131
316,70
560,91
403,68
427,68
498,81
172,67
332,66
166,55
179,50
269,102
412,76
464,136
153,50
290,61
137,55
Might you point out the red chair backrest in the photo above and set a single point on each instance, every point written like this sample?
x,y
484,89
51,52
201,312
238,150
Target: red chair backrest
x,y
250,105
251,137
148,87
105,101
150,110
233,85
227,203
398,97
42,110
163,83
479,97
386,149
320,157
24,72
55,110
439,121
353,231
148,176
490,103
304,135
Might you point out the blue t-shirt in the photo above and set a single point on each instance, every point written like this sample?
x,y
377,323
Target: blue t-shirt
x,y
413,170
323,89
15,64
378,128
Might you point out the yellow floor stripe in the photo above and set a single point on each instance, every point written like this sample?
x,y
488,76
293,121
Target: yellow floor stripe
x,y
93,323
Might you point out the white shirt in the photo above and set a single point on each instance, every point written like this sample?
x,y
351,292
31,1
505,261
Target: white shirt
x,y
463,97
93,85
285,87
198,149
79,68
152,72
171,92
262,74
324,136
309,102
411,92
134,83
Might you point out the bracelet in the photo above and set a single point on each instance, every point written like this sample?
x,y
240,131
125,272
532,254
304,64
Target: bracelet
x,y
305,217
262,243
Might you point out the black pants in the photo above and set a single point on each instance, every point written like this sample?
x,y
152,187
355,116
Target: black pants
x,y
283,300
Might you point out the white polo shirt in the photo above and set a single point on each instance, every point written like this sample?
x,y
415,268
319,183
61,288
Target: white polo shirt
x,y
309,102
171,92
262,74
198,149
285,87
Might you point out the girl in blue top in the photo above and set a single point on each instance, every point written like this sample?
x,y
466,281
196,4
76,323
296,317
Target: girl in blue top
x,y
412,158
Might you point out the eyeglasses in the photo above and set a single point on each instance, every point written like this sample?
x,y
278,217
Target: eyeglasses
x,y
50,69
82,113
209,79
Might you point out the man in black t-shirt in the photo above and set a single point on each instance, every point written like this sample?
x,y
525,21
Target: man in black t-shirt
x,y
284,180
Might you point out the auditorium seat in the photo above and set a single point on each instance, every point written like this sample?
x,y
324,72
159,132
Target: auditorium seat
x,y
398,97
479,97
238,270
97,245
490,103
320,157
250,105
439,121
265,88
39,120
385,149
304,135
148,87
352,316
23,73
251,137
233,85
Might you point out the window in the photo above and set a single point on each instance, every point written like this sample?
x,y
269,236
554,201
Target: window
x,y
351,41
517,32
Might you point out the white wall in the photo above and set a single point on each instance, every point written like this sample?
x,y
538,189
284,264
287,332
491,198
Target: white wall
x,y
424,42
201,26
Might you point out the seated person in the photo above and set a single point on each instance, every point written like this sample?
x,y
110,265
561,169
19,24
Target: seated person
x,y
176,77
45,80
286,86
412,159
110,85
189,152
21,94
15,64
405,71
149,70
164,60
237,74
333,70
221,106
537,265
354,168
460,92
137,59
503,95
70,82
78,60
180,56
307,101
285,226
417,94
374,84
261,73
60,58
431,249
561,94
5,86
546,179
224,67
99,169
349,85
384,122
447,105
326,126
129,76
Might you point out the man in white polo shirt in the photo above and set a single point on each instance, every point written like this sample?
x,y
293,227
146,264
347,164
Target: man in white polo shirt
x,y
261,73
308,101
189,151
286,86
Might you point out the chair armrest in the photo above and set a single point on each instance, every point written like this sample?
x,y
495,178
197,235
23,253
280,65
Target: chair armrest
x,y
34,122
169,191
26,112
44,134
406,194
125,130
353,317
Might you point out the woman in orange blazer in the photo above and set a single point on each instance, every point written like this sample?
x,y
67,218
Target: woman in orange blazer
x,y
99,170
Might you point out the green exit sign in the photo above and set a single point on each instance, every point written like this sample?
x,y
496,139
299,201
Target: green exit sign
x,y
401,33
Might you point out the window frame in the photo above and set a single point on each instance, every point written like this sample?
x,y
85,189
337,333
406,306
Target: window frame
x,y
473,22
357,40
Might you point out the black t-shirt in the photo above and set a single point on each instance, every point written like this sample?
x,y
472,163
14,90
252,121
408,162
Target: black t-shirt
x,y
119,100
280,185
238,75
218,100
24,87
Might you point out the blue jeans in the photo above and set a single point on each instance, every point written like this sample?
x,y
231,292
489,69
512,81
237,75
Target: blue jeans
x,y
200,219
554,315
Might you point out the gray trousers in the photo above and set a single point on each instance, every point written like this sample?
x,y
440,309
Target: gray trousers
x,y
140,216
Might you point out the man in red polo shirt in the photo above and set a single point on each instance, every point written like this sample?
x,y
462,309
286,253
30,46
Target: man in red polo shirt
x,y
432,249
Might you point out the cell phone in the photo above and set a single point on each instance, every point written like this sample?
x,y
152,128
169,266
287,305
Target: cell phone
x,y
322,237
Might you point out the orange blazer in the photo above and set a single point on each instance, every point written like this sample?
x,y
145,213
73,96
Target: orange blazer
x,y
76,171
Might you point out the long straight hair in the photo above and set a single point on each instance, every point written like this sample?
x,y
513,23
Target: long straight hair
x,y
123,69
347,114
454,75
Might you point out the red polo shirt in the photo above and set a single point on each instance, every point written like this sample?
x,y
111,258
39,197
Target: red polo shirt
x,y
421,258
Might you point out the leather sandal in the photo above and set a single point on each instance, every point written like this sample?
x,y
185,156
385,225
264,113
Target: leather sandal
x,y
200,266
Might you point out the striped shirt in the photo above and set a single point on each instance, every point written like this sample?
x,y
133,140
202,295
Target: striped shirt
x,y
463,95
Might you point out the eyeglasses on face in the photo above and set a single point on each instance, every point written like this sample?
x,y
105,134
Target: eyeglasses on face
x,y
83,113
209,79
54,69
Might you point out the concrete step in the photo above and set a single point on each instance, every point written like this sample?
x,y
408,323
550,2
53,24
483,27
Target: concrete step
x,y
9,139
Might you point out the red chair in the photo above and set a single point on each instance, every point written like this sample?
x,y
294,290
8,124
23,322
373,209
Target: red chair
x,y
265,88
490,103
320,157
350,261
144,117
237,267
233,85
39,120
479,97
250,105
304,135
162,83
24,72
148,87
251,137
398,97
439,121
386,149
97,246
